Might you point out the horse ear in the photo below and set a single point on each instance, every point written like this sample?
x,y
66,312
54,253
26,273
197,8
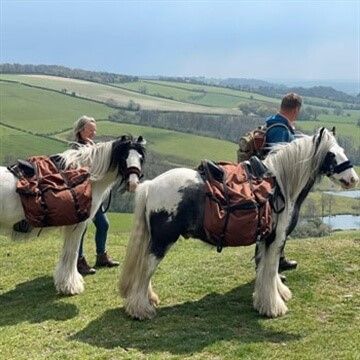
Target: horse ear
x,y
123,138
318,138
141,140
333,130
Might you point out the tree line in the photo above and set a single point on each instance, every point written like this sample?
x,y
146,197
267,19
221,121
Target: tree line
x,y
56,70
224,127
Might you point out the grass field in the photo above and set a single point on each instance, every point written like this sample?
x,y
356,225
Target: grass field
x,y
17,144
206,310
350,130
106,93
208,96
219,90
188,149
42,111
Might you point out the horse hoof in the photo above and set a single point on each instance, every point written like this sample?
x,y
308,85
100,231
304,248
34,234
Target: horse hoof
x,y
70,288
271,309
284,291
146,311
154,299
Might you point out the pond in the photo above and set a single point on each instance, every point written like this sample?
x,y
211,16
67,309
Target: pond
x,y
355,194
342,222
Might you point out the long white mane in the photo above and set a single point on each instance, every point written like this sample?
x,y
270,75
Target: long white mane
x,y
96,157
295,163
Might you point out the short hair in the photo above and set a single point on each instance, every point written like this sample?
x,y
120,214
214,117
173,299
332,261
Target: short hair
x,y
291,101
79,125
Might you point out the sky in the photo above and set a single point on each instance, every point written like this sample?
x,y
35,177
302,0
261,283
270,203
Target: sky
x,y
270,40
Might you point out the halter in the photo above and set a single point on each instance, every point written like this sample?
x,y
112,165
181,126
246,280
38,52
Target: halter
x,y
133,170
329,166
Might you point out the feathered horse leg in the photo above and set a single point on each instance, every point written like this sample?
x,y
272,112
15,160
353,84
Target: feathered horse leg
x,y
270,293
66,277
139,265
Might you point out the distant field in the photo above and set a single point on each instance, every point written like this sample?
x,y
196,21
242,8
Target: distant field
x,y
208,96
41,111
219,90
16,144
352,118
106,93
218,96
190,149
350,130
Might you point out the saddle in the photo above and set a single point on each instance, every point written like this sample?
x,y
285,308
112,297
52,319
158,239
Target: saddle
x,y
51,195
238,208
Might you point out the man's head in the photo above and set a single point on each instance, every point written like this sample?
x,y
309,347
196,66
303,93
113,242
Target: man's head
x,y
290,106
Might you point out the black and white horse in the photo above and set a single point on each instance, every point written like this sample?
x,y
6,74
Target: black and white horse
x,y
108,162
172,204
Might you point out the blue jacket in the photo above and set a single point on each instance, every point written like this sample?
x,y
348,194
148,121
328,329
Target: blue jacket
x,y
279,134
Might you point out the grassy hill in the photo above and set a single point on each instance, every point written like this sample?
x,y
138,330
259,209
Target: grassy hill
x,y
17,144
42,111
350,129
113,94
183,148
206,309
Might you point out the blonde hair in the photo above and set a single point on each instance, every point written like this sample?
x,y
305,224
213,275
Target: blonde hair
x,y
79,125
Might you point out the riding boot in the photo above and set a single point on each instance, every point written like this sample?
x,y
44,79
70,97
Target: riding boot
x,y
84,268
104,260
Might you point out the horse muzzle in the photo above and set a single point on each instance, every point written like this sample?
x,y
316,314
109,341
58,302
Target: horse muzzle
x,y
349,184
133,182
133,177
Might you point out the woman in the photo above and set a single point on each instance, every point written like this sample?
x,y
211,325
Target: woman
x,y
84,132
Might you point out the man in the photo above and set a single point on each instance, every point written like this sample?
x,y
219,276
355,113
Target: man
x,y
281,129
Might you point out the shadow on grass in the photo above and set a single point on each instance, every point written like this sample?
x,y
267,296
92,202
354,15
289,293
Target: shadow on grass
x,y
34,301
186,327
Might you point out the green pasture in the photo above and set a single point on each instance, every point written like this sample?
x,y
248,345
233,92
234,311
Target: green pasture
x,y
110,94
209,97
344,118
155,89
42,111
188,149
219,90
206,304
350,130
230,98
17,144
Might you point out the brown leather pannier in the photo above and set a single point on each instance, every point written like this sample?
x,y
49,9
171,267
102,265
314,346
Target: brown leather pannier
x,y
54,197
237,205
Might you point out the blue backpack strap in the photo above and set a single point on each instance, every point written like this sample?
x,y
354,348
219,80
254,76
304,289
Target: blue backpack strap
x,y
275,125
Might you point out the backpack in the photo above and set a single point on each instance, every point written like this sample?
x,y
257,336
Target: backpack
x,y
237,205
51,196
253,143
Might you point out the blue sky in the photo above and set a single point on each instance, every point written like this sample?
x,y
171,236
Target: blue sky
x,y
256,39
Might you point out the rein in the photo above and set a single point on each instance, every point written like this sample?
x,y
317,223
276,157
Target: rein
x,y
129,171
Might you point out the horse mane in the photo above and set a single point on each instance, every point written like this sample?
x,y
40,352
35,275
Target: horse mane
x,y
95,157
293,164
102,157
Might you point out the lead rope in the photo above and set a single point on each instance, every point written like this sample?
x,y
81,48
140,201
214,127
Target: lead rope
x,y
103,211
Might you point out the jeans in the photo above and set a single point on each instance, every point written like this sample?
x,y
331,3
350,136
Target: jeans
x,y
101,223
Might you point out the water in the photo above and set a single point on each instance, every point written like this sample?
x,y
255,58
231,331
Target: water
x,y
355,194
342,222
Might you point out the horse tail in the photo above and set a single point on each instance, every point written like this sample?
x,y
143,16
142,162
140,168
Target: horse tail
x,y
135,263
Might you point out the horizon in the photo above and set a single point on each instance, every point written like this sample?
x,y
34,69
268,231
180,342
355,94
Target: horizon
x,y
254,40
